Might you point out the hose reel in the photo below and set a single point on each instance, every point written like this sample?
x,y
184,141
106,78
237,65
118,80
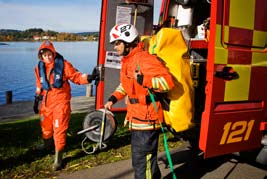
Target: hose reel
x,y
98,126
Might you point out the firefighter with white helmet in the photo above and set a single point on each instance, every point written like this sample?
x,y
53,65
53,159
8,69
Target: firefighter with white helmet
x,y
125,33
140,71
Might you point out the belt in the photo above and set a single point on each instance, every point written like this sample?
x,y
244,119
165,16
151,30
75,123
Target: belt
x,y
135,100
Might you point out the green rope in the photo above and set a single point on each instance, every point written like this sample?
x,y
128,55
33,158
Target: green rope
x,y
164,137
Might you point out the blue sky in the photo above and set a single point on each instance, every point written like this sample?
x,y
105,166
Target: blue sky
x,y
57,15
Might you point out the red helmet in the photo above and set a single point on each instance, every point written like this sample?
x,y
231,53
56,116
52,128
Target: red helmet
x,y
46,45
124,32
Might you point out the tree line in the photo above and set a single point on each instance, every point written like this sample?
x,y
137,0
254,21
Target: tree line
x,y
35,34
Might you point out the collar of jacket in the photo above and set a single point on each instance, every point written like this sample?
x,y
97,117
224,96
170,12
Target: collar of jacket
x,y
138,48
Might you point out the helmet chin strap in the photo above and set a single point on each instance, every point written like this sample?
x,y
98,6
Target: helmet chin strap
x,y
126,50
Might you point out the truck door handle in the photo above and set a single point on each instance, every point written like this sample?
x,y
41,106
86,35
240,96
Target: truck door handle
x,y
227,73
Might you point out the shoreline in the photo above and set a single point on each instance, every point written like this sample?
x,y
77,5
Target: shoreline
x,y
24,109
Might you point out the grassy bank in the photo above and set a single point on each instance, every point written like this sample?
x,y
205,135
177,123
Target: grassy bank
x,y
18,159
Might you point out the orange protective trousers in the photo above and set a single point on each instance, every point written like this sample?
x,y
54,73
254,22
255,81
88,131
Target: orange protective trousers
x,y
54,121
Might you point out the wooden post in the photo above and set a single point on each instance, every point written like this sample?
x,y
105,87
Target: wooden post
x,y
89,90
8,97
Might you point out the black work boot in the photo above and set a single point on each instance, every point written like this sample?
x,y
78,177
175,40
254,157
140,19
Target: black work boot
x,y
57,165
47,145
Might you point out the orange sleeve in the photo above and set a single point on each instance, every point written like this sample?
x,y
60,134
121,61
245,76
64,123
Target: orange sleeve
x,y
74,75
156,75
119,93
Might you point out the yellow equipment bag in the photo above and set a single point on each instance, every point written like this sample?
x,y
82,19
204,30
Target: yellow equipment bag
x,y
169,45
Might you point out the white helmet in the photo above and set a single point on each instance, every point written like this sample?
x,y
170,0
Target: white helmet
x,y
123,32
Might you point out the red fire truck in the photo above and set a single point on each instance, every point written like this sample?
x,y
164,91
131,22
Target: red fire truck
x,y
226,49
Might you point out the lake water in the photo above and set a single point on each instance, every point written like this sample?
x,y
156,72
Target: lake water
x,y
18,59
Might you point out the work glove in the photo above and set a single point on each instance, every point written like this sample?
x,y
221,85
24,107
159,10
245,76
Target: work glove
x,y
37,99
94,76
162,98
89,78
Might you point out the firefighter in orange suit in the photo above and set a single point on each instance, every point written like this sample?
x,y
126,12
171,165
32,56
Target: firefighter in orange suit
x,y
140,72
52,87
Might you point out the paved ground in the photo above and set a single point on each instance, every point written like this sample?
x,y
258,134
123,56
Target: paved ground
x,y
186,166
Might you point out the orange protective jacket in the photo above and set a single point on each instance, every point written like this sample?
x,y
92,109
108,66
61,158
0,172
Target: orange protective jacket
x,y
63,94
58,95
140,115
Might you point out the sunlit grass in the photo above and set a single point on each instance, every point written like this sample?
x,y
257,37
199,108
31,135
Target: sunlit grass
x,y
18,159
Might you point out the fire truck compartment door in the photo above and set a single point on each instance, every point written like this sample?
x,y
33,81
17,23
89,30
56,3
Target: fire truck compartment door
x,y
138,13
235,94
